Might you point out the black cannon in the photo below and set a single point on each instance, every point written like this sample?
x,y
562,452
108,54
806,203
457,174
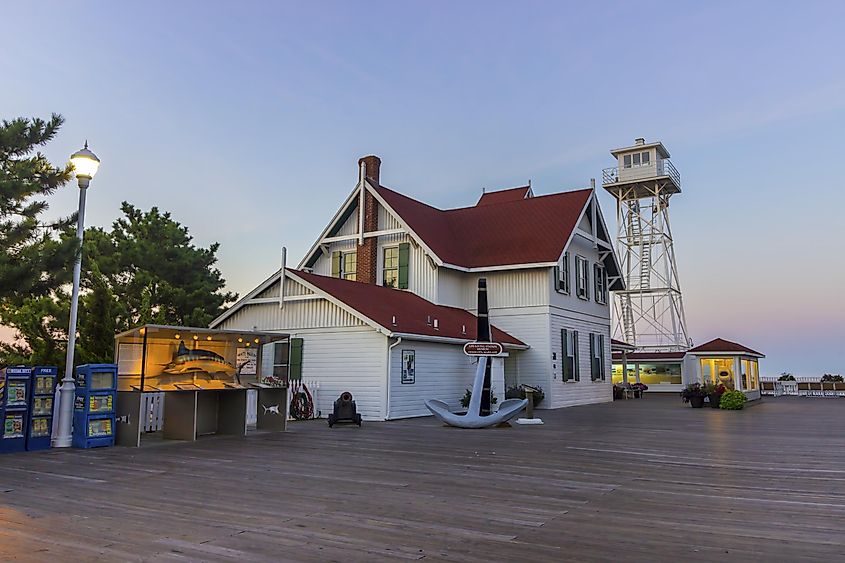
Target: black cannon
x,y
345,411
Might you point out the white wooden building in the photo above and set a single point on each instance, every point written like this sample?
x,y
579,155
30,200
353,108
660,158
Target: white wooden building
x,y
385,298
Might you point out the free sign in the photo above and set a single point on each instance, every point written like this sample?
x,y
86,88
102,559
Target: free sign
x,y
482,348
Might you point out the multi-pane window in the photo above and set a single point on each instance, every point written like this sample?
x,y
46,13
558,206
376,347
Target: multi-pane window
x,y
600,278
349,265
636,160
569,354
582,278
597,357
390,267
562,274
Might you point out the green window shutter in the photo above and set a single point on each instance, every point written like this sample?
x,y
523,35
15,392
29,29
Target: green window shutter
x,y
593,374
596,281
404,259
602,369
556,273
577,363
295,371
565,284
564,356
336,257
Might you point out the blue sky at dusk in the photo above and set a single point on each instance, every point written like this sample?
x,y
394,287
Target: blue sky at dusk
x,y
246,120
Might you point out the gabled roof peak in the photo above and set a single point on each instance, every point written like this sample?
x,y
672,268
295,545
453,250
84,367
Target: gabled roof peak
x,y
506,195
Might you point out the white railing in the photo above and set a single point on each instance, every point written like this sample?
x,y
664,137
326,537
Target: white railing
x,y
803,386
663,167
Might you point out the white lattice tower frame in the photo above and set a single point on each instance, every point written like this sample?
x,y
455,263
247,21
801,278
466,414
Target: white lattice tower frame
x,y
649,313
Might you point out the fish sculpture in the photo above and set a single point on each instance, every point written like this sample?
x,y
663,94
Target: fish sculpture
x,y
186,360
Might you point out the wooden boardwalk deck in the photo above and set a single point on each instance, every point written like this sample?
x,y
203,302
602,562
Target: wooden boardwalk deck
x,y
646,480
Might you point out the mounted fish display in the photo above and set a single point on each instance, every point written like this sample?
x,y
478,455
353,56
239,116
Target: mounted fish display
x,y
174,358
194,366
198,360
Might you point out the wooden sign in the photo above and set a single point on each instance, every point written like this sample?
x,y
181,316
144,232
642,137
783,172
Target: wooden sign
x,y
482,348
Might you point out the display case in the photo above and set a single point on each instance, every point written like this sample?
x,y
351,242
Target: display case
x,y
199,377
94,404
14,407
43,390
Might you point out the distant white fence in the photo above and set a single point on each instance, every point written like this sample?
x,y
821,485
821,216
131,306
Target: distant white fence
x,y
801,387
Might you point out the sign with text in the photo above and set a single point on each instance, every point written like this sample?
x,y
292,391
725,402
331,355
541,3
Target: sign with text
x,y
482,348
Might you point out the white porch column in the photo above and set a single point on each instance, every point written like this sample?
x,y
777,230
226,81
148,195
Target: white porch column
x,y
738,382
497,378
624,366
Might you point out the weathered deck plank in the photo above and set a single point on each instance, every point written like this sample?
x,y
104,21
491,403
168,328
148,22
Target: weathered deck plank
x,y
644,480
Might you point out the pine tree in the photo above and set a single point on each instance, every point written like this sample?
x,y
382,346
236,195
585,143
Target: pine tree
x,y
32,260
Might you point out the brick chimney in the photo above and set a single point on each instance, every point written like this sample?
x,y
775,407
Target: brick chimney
x,y
368,252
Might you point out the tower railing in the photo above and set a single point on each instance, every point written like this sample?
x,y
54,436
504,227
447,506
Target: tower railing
x,y
663,167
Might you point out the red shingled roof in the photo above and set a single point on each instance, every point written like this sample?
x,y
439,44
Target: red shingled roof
x,y
721,345
503,196
381,304
517,231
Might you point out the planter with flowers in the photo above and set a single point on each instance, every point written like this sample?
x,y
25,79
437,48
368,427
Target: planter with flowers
x,y
694,394
714,393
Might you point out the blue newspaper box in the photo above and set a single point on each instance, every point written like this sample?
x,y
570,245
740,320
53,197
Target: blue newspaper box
x,y
14,407
42,392
93,408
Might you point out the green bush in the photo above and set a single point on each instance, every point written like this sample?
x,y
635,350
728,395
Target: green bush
x,y
732,400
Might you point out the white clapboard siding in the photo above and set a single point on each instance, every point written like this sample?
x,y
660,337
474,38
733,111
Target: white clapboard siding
x,y
585,391
442,371
505,289
531,325
571,302
346,360
313,313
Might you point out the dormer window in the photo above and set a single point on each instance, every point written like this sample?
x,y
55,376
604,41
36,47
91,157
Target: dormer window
x,y
636,159
345,265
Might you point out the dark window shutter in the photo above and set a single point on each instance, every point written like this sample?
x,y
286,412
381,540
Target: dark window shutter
x,y
566,286
556,272
602,368
404,259
295,359
567,374
336,257
577,365
593,374
596,281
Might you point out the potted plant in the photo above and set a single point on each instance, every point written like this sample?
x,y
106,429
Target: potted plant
x,y
830,378
468,396
519,393
639,389
733,400
786,376
694,394
714,393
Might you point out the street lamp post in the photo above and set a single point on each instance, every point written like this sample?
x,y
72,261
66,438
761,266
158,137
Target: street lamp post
x,y
85,164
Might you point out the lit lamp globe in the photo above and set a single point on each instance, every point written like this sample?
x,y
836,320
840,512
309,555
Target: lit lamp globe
x,y
85,164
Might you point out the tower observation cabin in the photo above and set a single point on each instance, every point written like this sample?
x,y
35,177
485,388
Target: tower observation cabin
x,y
649,312
638,163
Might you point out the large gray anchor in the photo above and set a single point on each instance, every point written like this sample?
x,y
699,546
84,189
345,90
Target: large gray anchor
x,y
478,414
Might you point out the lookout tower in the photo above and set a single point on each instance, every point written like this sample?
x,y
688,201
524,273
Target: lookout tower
x,y
649,312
